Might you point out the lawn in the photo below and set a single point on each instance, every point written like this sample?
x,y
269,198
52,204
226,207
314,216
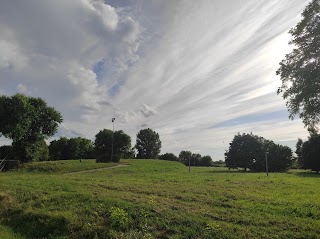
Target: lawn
x,y
156,199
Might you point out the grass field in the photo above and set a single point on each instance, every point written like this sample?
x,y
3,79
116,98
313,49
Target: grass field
x,y
156,199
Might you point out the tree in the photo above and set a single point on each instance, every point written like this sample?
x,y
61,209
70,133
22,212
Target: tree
x,y
248,151
196,159
6,151
168,156
206,161
58,149
148,144
74,148
185,157
299,152
311,152
27,121
244,151
300,70
103,145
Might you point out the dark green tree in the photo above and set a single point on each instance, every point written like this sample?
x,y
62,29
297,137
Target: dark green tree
x,y
196,159
27,121
148,144
299,153
311,152
300,70
74,148
206,161
58,149
245,151
185,157
6,151
249,152
169,156
103,145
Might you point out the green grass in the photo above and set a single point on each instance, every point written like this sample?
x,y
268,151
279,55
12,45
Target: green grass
x,y
156,199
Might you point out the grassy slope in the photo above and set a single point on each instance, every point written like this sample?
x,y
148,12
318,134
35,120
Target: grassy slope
x,y
161,200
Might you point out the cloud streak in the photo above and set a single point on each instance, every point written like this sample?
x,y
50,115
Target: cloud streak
x,y
178,67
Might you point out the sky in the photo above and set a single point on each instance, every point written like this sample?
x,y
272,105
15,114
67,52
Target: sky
x,y
196,72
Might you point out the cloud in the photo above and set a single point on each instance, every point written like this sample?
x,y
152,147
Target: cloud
x,y
22,89
147,111
178,67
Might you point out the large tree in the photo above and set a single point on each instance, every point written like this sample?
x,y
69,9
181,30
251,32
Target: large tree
x,y
249,151
27,121
103,145
245,150
300,70
148,144
310,153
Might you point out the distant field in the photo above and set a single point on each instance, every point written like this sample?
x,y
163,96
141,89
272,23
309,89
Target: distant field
x,y
156,199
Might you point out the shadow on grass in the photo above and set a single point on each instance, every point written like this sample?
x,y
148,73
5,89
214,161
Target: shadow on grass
x,y
308,174
226,171
35,225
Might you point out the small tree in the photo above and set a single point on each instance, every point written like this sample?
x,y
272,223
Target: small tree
x,y
148,144
27,121
103,145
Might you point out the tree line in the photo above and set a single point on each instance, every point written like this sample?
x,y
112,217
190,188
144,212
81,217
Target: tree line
x,y
28,121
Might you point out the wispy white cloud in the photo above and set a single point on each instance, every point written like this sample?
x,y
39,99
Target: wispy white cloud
x,y
178,67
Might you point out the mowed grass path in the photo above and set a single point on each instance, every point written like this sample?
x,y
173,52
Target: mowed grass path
x,y
156,199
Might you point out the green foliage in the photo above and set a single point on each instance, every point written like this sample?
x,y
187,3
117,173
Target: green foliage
x,y
249,151
310,153
74,148
206,161
27,121
300,70
148,144
168,156
299,153
119,218
185,157
103,145
31,151
6,151
195,159
219,163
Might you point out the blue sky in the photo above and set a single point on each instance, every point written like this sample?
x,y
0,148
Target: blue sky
x,y
197,72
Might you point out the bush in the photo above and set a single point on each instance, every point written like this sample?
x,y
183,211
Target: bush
x,y
119,219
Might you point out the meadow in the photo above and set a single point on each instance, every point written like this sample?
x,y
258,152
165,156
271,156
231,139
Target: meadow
x,y
156,199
